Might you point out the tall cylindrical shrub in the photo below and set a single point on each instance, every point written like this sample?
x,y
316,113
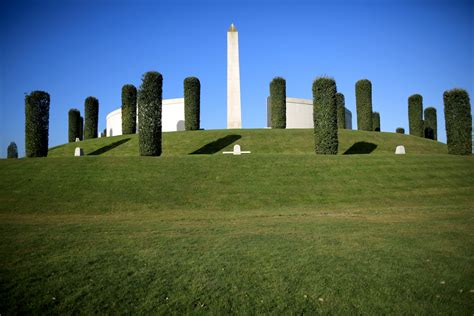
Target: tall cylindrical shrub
x,y
376,121
400,130
325,116
129,109
91,109
431,123
12,151
427,131
37,124
415,115
278,102
81,128
192,103
341,110
363,90
457,113
74,117
149,114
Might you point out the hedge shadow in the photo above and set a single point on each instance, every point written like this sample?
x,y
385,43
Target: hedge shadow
x,y
217,145
360,148
105,149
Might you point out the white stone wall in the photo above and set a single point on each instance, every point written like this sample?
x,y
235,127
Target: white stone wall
x,y
172,118
299,114
114,123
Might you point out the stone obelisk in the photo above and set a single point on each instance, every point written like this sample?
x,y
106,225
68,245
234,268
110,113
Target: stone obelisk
x,y
234,116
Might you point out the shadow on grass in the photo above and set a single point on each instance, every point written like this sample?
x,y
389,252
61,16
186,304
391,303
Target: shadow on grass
x,y
105,149
216,145
360,148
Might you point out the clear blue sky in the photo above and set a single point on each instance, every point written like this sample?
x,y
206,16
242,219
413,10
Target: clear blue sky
x,y
75,49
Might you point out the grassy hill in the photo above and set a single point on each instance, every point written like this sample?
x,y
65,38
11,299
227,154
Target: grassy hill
x,y
280,231
259,141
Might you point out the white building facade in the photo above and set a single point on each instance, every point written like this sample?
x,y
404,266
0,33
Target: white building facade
x,y
172,118
299,114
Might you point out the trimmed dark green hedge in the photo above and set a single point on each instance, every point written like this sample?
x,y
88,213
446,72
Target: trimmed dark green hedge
x,y
81,128
74,117
37,124
376,121
12,151
400,130
91,109
278,102
325,116
415,115
192,103
364,104
341,110
457,113
431,124
149,114
129,109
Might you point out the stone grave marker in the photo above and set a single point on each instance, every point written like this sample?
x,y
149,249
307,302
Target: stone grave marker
x,y
400,150
237,151
78,152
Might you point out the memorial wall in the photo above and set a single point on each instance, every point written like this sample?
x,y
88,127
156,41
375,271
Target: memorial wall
x,y
299,113
172,118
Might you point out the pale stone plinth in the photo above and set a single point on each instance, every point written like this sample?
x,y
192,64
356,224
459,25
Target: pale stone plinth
x,y
237,151
78,152
234,116
400,150
77,139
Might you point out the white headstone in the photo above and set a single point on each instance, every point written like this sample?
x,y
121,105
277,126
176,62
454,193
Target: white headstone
x,y
400,150
77,139
78,152
237,150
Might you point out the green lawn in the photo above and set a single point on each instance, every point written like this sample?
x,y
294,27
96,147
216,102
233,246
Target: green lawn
x,y
286,233
259,141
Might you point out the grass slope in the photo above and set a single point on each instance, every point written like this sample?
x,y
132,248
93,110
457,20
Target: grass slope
x,y
259,141
262,233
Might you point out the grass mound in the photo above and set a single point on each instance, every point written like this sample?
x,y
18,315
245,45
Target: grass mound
x,y
279,231
276,233
259,141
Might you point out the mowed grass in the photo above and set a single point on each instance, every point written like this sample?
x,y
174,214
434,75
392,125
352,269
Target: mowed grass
x,y
262,233
259,141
